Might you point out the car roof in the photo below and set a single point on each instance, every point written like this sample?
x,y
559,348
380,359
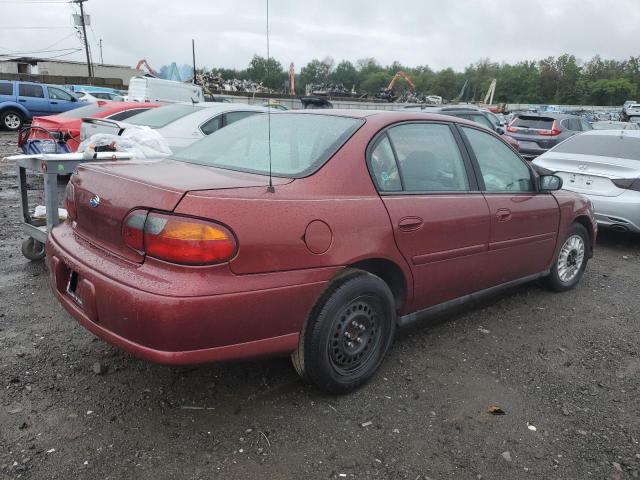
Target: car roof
x,y
613,133
385,115
546,114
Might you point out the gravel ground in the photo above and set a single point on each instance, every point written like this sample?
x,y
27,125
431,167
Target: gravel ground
x,y
565,368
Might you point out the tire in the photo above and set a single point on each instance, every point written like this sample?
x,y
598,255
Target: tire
x,y
11,120
571,261
33,249
347,334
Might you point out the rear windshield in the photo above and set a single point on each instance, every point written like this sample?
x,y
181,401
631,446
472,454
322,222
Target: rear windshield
x,y
163,116
619,146
538,123
300,144
87,111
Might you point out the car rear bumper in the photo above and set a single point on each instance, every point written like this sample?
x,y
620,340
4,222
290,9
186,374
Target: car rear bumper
x,y
621,212
179,329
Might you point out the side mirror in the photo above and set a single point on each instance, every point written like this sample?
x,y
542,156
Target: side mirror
x,y
550,183
500,130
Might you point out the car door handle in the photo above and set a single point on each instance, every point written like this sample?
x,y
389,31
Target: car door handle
x,y
410,224
54,103
503,215
21,100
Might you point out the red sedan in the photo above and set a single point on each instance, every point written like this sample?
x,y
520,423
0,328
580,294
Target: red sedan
x,y
66,126
370,220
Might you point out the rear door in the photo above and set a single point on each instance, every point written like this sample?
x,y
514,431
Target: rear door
x,y
32,97
440,219
60,101
524,222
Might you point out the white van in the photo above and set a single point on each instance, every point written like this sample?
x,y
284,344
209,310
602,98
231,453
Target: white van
x,y
149,89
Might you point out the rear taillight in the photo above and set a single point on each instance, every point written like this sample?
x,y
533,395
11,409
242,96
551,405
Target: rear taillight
x,y
177,239
70,201
627,183
550,133
512,129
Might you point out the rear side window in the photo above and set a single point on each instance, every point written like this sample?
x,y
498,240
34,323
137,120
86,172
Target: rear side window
x,y
537,123
212,125
231,117
126,114
429,158
384,167
27,90
6,88
501,169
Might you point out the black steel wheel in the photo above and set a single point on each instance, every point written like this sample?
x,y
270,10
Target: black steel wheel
x,y
33,249
348,333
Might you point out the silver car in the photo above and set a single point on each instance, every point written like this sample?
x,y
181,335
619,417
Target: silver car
x,y
603,165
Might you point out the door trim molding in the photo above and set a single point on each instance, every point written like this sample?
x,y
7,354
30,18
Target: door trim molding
x,y
429,312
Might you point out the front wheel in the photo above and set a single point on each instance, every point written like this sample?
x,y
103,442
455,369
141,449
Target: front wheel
x,y
571,261
348,334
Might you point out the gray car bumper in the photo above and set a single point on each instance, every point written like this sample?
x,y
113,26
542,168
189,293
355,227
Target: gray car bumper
x,y
621,212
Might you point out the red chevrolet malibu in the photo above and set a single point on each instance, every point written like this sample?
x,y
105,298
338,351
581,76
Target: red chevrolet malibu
x,y
374,220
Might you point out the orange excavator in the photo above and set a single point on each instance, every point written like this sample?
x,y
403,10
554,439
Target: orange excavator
x,y
388,93
147,66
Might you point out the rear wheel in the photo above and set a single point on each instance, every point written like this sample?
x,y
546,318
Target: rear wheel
x,y
348,334
11,119
571,261
33,249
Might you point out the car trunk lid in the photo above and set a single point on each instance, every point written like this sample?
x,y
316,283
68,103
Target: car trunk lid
x,y
106,192
590,174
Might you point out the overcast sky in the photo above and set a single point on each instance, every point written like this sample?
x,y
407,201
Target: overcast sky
x,y
437,33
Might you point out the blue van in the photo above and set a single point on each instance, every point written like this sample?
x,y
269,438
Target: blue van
x,y
21,101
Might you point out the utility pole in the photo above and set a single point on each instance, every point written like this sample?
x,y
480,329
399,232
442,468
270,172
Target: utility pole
x,y
84,34
193,52
101,60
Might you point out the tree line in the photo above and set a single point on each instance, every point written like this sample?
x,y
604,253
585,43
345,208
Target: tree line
x,y
553,80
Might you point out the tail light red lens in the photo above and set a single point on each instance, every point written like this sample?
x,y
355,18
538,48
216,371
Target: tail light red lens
x,y
551,133
177,239
70,202
627,183
512,129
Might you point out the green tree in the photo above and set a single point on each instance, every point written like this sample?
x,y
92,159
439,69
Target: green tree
x,y
373,82
269,72
346,74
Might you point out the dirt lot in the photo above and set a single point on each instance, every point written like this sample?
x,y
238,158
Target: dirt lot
x,y
564,367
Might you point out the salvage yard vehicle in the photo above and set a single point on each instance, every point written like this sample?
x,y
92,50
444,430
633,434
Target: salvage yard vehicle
x,y
149,89
310,233
64,129
603,165
180,124
21,101
538,132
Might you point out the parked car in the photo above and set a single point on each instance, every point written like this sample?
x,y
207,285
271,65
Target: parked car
x,y
179,123
21,101
64,129
627,104
603,165
368,220
96,96
632,112
473,113
149,89
538,132
614,125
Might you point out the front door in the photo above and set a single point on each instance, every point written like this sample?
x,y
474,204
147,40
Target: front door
x,y
524,222
60,101
440,218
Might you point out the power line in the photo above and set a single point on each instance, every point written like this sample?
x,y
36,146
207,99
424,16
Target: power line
x,y
2,27
39,51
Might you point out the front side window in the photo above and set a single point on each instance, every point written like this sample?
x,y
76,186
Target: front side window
x,y
429,158
585,125
384,167
28,90
211,125
57,94
502,170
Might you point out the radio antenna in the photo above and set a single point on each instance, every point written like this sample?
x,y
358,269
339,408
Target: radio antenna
x,y
270,188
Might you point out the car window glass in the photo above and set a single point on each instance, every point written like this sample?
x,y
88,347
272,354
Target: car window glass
x,y
585,125
478,118
235,116
574,124
26,90
429,158
6,89
501,169
126,114
211,125
57,94
384,167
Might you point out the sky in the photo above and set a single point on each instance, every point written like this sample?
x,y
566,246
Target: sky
x,y
437,33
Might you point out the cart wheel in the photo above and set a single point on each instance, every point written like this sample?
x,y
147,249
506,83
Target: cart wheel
x,y
32,249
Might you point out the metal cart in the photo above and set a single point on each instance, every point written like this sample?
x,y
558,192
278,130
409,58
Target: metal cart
x,y
51,166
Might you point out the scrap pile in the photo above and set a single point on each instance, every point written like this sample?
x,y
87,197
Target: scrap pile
x,y
213,82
